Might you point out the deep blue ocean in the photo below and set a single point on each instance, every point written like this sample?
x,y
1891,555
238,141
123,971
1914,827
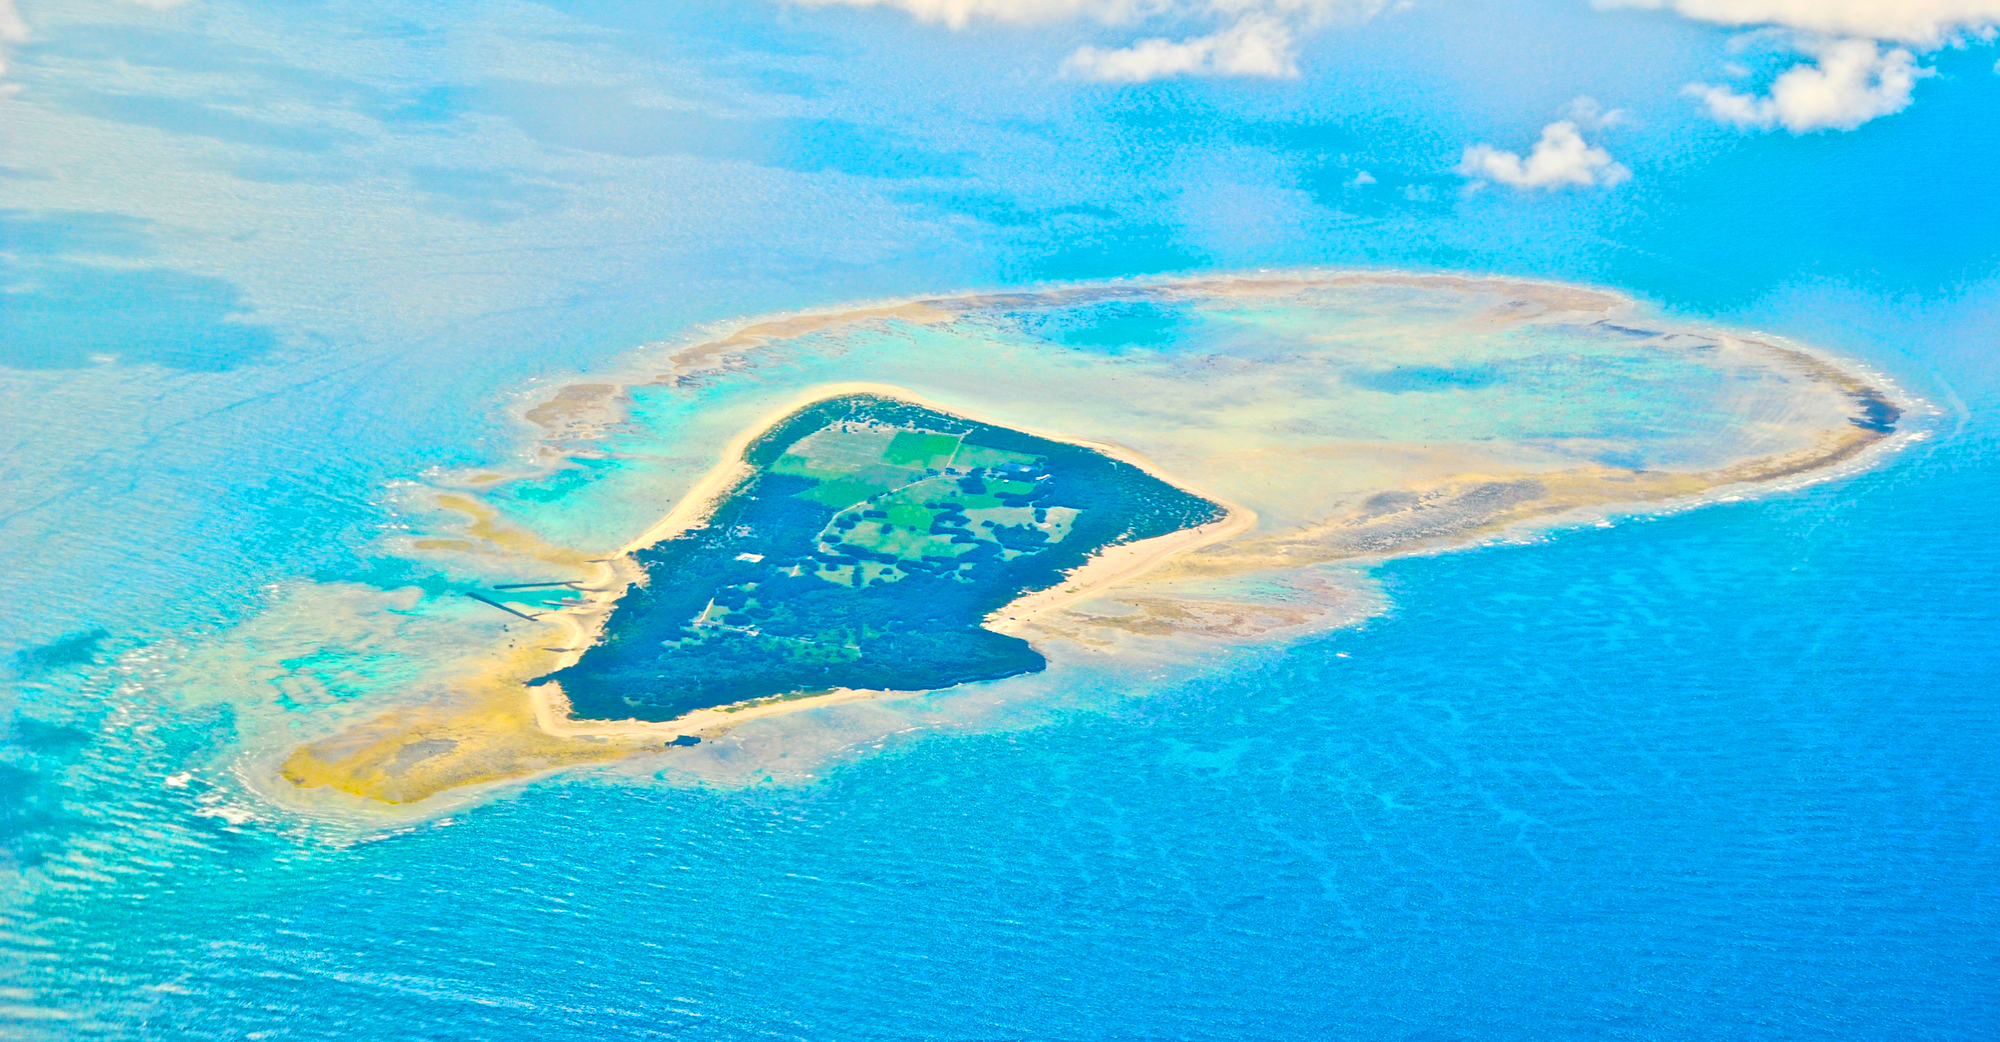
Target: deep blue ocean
x,y
1726,774
1722,775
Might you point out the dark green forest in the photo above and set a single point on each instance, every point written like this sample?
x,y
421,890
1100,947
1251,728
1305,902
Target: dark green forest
x,y
742,607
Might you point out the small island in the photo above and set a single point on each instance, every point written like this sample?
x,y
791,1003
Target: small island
x,y
853,538
865,548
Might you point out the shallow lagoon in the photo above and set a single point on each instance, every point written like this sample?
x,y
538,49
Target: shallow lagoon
x,y
1724,775
1344,416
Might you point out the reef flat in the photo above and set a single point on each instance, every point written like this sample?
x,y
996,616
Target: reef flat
x,y
958,491
864,549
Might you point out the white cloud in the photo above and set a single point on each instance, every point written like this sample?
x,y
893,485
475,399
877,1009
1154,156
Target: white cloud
x,y
1251,37
1854,78
1852,82
12,29
1559,159
1586,112
960,13
1926,24
1252,47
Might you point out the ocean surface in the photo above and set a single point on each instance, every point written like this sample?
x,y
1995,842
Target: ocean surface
x,y
1722,774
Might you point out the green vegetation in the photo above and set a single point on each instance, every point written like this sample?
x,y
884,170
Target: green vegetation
x,y
864,550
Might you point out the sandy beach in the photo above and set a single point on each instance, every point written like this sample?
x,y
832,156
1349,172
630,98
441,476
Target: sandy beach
x,y
583,624
494,722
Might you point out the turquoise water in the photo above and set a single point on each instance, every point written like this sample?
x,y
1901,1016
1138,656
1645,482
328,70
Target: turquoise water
x,y
1660,781
1721,775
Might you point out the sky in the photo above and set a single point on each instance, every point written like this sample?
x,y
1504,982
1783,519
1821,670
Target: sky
x,y
1222,127
299,250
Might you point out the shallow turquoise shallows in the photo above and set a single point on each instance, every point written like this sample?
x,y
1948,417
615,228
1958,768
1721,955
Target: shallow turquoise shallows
x,y
1723,775
1729,774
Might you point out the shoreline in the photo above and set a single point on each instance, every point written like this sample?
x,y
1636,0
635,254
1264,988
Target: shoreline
x,y
1106,568
1113,566
708,348
478,735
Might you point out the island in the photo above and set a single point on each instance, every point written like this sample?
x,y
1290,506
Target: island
x,y
864,546
793,514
